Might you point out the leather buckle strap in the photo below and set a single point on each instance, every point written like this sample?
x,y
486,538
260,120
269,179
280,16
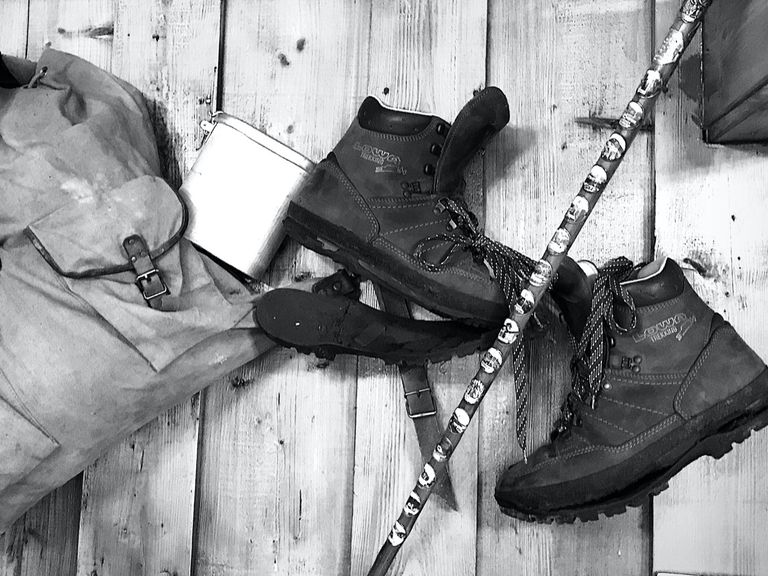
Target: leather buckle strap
x,y
148,278
419,401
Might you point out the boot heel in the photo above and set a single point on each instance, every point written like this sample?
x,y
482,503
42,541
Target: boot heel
x,y
300,224
754,418
301,233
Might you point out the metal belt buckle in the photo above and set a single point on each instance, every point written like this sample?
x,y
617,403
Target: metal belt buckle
x,y
148,279
420,403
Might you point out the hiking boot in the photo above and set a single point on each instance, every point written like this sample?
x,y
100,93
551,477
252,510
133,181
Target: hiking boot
x,y
659,380
329,320
387,204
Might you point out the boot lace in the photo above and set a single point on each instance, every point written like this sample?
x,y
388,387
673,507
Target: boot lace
x,y
591,351
510,268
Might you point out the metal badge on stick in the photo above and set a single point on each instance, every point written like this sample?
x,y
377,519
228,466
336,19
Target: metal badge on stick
x,y
664,64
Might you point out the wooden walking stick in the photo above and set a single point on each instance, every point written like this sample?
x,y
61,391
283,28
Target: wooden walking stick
x,y
654,81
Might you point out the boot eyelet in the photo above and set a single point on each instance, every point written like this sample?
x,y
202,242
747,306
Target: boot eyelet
x,y
406,193
435,149
607,386
440,206
635,369
429,169
637,359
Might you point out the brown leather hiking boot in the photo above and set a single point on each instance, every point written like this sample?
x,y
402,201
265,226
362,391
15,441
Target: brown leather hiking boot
x,y
387,204
659,380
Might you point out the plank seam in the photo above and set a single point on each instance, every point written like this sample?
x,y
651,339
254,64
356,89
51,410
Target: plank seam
x,y
197,498
219,93
26,36
484,189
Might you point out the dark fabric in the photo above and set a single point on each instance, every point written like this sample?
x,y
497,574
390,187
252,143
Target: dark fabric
x,y
15,72
7,80
572,291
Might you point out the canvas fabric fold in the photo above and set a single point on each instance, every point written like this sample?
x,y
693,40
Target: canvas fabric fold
x,y
83,359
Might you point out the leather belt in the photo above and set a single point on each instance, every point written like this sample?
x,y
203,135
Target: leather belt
x,y
419,400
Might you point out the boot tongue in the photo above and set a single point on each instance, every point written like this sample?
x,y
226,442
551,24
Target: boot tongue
x,y
481,118
573,293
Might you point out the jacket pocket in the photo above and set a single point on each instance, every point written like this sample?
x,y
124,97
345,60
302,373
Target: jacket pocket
x,y
82,241
22,446
83,238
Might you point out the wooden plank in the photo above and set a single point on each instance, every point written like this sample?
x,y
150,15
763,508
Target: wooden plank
x,y
428,56
277,445
735,71
557,61
138,512
175,66
710,206
137,508
14,16
43,542
81,27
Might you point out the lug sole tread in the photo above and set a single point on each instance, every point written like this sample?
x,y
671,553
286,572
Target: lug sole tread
x,y
330,351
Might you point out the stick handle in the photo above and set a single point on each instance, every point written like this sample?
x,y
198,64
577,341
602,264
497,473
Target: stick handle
x,y
654,81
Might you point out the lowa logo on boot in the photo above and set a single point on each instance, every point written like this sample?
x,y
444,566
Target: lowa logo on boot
x,y
678,324
387,162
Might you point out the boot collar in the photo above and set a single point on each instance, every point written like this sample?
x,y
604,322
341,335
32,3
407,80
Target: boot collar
x,y
374,115
659,281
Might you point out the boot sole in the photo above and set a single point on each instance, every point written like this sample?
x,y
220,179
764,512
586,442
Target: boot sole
x,y
338,325
343,247
718,442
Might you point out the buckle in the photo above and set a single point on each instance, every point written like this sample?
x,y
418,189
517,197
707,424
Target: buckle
x,y
420,403
147,280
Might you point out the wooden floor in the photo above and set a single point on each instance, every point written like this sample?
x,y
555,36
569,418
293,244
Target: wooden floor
x,y
296,466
